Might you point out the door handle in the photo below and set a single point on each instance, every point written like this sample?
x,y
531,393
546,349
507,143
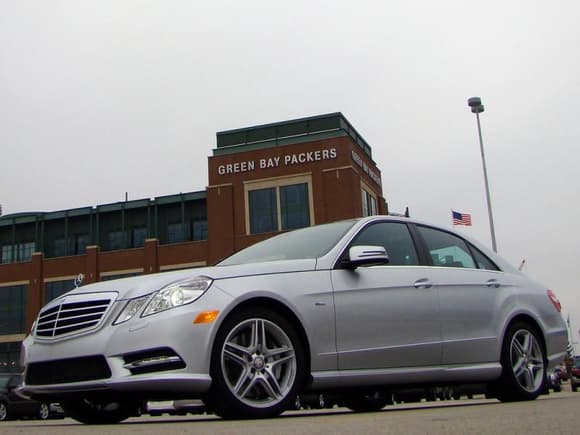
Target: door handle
x,y
493,283
423,283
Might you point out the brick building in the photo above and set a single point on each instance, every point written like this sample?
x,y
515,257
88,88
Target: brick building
x,y
261,180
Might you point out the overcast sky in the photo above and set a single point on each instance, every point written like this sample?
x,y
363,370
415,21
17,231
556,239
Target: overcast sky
x,y
99,98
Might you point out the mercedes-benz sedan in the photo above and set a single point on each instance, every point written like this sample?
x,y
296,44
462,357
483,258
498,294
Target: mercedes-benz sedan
x,y
359,308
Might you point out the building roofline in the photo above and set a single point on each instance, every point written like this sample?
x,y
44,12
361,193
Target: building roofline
x,y
32,216
286,132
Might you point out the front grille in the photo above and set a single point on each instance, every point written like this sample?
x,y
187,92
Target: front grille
x,y
87,368
73,314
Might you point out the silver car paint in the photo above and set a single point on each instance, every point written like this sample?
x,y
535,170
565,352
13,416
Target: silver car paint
x,y
409,339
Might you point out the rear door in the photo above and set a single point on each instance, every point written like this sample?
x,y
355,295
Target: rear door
x,y
471,291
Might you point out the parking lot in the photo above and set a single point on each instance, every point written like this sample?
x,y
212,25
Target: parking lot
x,y
555,414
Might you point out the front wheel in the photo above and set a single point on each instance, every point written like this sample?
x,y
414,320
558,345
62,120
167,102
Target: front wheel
x,y
99,412
523,365
3,412
257,365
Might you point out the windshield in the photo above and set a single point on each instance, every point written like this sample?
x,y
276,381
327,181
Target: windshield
x,y
310,242
577,363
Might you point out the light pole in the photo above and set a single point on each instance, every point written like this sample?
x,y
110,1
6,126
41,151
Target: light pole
x,y
477,108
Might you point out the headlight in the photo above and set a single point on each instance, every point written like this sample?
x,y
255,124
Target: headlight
x,y
178,294
130,309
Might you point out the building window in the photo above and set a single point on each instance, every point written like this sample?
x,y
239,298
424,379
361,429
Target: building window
x,y
116,240
175,232
25,250
12,309
80,243
10,357
369,203
294,206
54,289
19,252
138,236
263,210
7,256
119,276
59,247
277,205
76,244
199,230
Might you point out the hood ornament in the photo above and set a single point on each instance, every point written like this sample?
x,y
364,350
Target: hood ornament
x,y
79,280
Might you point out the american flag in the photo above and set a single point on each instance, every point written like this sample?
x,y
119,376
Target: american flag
x,y
461,218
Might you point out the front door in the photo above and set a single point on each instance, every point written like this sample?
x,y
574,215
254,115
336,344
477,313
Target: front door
x,y
387,316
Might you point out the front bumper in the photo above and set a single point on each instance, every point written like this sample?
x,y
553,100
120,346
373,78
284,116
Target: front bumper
x,y
162,355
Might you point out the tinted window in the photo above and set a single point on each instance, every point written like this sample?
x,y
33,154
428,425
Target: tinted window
x,y
482,261
263,211
394,237
294,206
446,249
138,236
12,309
116,240
199,229
175,232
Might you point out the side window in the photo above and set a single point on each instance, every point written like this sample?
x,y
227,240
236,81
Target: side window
x,y
394,237
482,261
446,249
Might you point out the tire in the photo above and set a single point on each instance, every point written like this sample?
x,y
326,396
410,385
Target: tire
x,y
368,402
4,415
257,365
99,412
447,393
297,403
43,411
523,363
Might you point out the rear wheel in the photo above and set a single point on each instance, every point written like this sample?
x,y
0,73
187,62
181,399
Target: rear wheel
x,y
43,411
523,365
257,365
100,412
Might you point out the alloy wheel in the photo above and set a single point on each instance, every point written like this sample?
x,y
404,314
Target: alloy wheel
x,y
527,360
259,364
43,411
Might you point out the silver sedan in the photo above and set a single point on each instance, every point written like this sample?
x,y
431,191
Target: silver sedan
x,y
358,308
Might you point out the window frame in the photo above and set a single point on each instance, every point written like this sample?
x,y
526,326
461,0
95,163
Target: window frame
x,y
276,184
368,198
421,247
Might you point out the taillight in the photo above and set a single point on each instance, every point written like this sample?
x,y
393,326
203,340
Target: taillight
x,y
554,300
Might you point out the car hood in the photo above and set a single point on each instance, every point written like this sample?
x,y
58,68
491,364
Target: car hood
x,y
137,286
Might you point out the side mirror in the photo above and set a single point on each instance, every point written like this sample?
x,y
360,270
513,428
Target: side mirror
x,y
365,255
